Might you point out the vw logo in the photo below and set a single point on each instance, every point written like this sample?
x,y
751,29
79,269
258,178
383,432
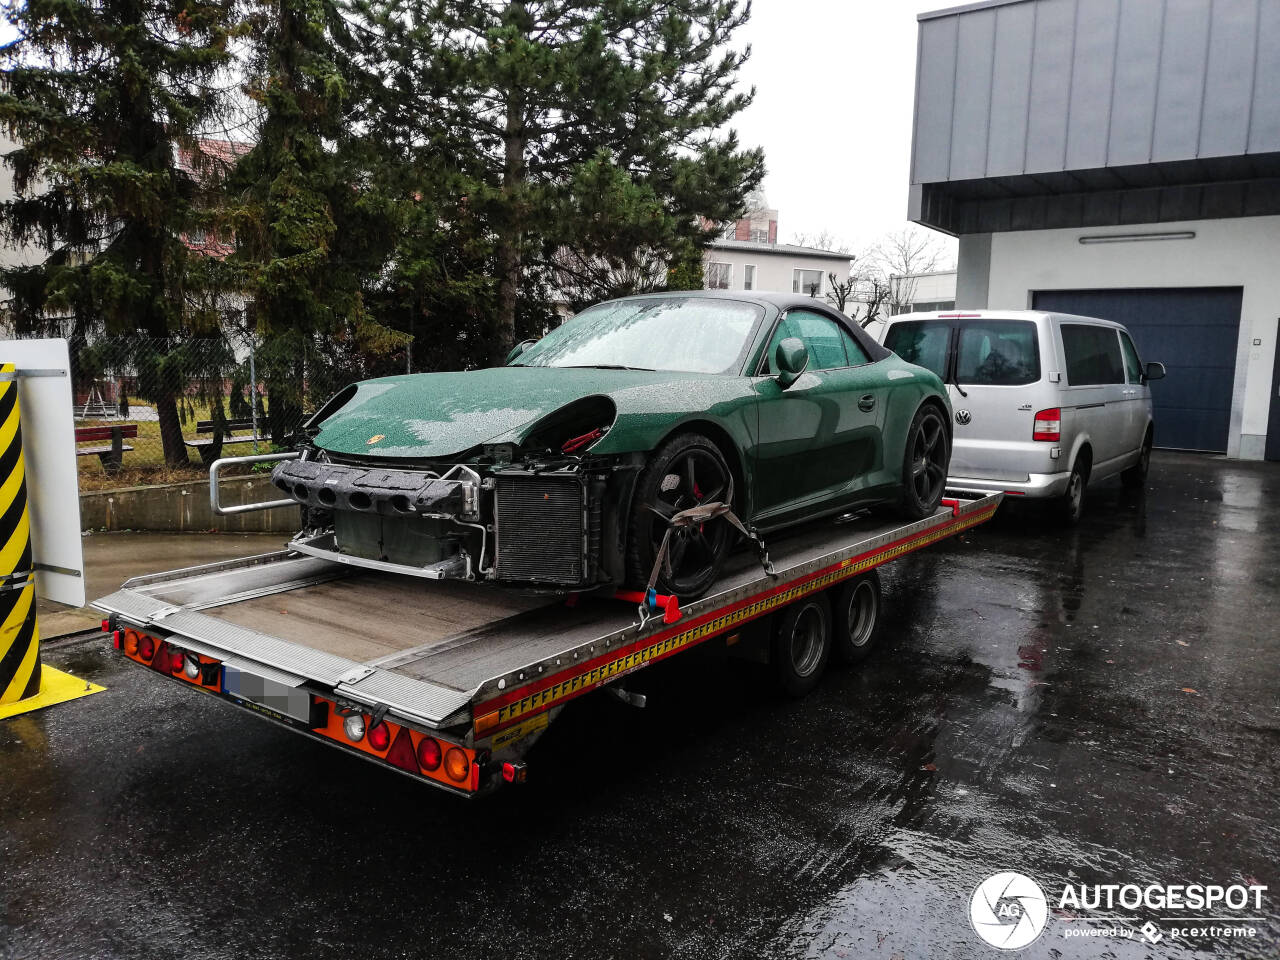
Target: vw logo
x,y
963,417
1008,910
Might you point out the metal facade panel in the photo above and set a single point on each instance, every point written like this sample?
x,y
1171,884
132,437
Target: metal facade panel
x,y
1264,126
1137,73
936,78
1092,73
1050,85
1228,89
971,113
1010,89
1180,88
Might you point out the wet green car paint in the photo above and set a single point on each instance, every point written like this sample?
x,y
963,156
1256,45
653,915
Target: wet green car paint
x,y
834,438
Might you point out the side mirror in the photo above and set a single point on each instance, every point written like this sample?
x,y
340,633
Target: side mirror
x,y
791,358
519,348
1155,371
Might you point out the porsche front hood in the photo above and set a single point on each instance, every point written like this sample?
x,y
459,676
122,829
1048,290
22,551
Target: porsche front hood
x,y
435,416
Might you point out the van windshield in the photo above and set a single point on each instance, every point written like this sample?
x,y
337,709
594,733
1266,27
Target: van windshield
x,y
998,353
922,342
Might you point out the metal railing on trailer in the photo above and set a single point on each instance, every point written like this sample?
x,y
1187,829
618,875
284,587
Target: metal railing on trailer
x,y
458,700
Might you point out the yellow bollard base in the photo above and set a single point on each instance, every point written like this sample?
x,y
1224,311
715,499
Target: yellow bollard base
x,y
55,687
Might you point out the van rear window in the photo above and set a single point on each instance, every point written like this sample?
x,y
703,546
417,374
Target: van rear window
x,y
922,342
998,353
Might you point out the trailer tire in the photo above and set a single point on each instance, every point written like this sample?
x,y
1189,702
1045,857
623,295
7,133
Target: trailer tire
x,y
857,618
802,644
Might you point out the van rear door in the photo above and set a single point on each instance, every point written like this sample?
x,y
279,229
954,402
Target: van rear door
x,y
996,363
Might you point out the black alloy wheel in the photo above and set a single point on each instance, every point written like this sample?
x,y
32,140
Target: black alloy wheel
x,y
925,463
687,471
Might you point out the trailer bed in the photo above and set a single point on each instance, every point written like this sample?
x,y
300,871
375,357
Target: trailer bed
x,y
474,659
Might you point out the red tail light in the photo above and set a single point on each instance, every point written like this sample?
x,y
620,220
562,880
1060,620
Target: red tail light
x,y
146,646
429,754
402,754
379,736
1048,425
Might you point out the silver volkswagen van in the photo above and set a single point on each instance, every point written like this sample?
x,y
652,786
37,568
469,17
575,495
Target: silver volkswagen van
x,y
1045,403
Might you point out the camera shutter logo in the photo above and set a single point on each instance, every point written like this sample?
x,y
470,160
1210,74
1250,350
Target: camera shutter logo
x,y
1008,910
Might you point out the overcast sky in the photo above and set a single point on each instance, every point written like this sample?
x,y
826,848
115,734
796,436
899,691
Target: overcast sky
x,y
835,89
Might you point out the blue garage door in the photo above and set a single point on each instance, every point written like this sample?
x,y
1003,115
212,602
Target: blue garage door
x,y
1193,332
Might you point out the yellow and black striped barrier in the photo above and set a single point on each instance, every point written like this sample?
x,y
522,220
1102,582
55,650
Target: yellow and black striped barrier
x,y
24,684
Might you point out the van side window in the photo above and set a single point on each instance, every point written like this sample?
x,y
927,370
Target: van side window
x,y
998,353
1093,354
1132,365
922,342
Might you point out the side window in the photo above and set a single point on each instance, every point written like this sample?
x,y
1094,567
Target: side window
x,y
855,356
923,343
1093,355
999,353
1132,365
822,337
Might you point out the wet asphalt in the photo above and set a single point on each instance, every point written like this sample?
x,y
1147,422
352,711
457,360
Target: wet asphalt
x,y
1097,705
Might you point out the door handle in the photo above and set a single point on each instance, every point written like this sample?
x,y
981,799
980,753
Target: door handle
x,y
867,403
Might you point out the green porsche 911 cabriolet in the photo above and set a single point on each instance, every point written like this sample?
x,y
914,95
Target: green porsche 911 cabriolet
x,y
623,444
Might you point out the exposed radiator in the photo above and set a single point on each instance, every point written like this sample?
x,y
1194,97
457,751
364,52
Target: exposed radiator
x,y
541,529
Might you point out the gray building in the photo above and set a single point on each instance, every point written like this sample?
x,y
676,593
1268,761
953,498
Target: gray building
x,y
1119,158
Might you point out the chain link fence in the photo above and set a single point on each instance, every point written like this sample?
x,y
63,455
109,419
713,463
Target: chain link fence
x,y
150,410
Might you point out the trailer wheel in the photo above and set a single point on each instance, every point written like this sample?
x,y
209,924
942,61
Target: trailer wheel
x,y
857,617
802,644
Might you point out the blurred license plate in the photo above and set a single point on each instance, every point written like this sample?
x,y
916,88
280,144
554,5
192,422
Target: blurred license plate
x,y
272,694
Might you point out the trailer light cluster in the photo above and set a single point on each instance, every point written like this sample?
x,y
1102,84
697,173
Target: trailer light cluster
x,y
411,750
164,656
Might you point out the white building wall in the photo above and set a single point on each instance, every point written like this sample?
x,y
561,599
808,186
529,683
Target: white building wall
x,y
933,287
11,255
774,270
1241,252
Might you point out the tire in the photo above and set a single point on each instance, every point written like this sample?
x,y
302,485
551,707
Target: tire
x,y
1070,506
666,486
802,644
924,464
1135,477
856,618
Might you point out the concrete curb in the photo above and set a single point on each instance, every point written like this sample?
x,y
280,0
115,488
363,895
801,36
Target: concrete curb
x,y
184,508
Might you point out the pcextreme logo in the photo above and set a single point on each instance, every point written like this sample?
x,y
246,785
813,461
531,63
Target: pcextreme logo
x,y
1008,910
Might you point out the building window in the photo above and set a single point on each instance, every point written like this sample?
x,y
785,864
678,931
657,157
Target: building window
x,y
718,275
924,306
808,282
759,234
749,277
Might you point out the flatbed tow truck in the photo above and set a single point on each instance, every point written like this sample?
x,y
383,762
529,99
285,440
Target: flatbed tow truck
x,y
452,683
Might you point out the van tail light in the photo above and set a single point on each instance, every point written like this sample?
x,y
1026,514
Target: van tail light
x,y
1048,425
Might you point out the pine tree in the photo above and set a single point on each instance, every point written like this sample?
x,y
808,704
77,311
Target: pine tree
x,y
581,132
311,228
100,95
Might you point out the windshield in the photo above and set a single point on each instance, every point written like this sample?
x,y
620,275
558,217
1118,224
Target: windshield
x,y
678,334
